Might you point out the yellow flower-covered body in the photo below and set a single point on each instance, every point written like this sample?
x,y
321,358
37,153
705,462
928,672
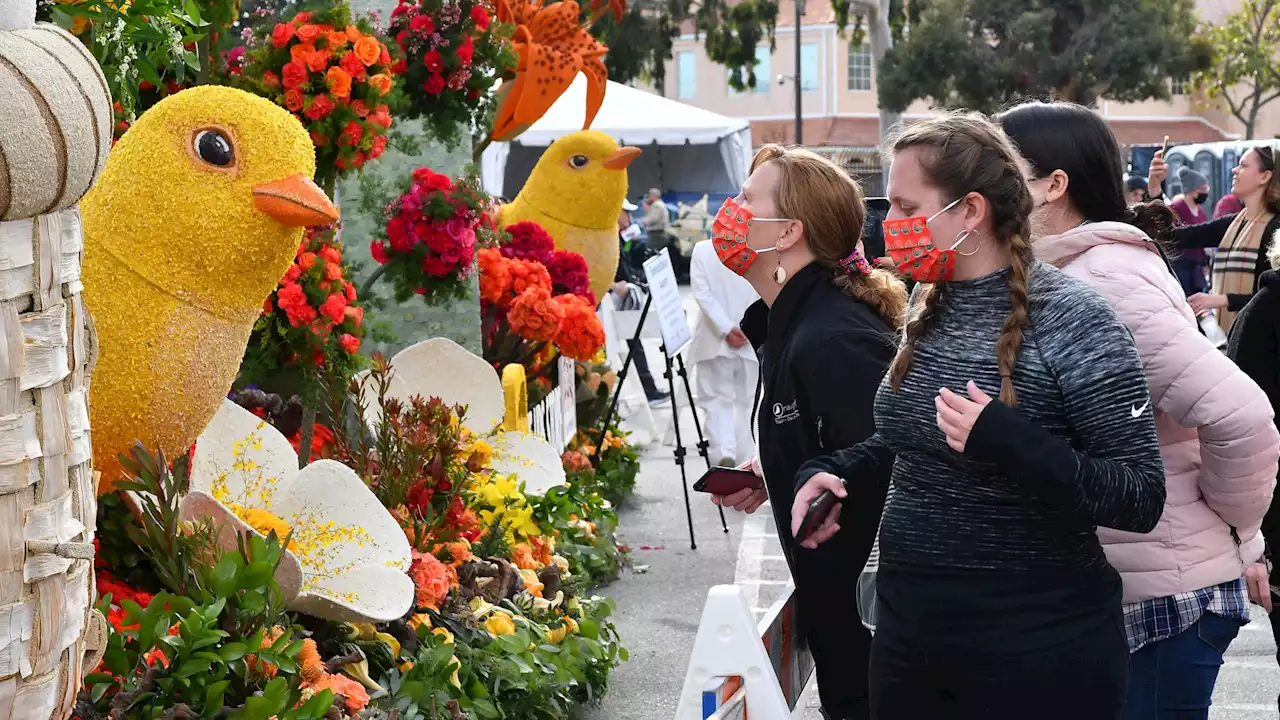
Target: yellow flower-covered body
x,y
578,206
180,253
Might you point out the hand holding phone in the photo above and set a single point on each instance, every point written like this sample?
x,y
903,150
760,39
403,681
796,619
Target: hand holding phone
x,y
726,481
815,512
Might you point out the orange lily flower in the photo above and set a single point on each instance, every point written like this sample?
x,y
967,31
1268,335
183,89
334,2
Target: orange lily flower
x,y
552,48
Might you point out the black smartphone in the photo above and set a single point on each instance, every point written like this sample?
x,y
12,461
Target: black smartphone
x,y
817,512
726,481
873,228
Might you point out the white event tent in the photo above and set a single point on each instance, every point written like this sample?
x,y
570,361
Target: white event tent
x,y
686,149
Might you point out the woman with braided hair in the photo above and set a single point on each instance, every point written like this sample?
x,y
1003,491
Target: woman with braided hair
x,y
1016,420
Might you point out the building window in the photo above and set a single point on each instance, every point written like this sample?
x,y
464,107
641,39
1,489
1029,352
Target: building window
x,y
808,68
1179,86
860,68
686,73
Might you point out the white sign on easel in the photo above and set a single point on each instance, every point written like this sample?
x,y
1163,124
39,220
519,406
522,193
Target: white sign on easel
x,y
665,293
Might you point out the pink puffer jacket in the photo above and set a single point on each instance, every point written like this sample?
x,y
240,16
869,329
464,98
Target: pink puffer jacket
x,y
1217,436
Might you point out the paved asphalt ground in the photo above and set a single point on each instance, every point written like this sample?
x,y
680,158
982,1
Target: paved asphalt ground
x,y
659,608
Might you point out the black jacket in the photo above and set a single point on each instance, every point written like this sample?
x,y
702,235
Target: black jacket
x,y
1254,345
1210,235
822,356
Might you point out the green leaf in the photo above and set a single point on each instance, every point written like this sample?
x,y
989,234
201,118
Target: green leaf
x,y
213,698
191,668
100,691
224,577
232,651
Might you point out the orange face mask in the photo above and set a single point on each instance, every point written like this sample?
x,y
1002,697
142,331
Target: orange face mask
x,y
910,246
729,236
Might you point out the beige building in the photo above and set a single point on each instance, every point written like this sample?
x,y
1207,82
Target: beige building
x,y
839,90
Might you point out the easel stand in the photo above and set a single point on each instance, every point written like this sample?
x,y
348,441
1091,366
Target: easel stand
x,y
680,450
622,379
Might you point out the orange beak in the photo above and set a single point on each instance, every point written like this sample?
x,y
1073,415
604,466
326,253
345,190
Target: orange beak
x,y
295,201
622,158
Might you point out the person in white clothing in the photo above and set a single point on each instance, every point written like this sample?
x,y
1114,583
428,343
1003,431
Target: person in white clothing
x,y
726,366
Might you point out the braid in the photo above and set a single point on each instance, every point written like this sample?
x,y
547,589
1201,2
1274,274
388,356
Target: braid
x,y
1010,341
916,326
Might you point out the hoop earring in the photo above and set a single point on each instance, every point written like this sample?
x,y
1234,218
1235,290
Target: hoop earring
x,y
965,236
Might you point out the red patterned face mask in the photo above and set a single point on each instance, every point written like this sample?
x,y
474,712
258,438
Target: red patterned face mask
x,y
910,246
729,236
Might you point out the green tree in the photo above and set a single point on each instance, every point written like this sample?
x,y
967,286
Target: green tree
x,y
987,54
1243,74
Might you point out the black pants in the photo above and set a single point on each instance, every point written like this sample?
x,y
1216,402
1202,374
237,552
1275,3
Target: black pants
x,y
1274,617
1085,679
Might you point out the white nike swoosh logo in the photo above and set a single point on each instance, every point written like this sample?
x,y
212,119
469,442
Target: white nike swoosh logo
x,y
1136,412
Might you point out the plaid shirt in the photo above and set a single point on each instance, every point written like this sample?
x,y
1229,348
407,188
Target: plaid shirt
x,y
1161,618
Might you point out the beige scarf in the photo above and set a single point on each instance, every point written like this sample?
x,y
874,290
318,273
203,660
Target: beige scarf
x,y
1235,265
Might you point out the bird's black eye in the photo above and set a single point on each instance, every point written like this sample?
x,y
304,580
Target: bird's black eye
x,y
578,162
214,148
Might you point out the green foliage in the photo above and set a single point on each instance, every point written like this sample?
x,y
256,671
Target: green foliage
x,y
139,40
988,54
115,550
208,651
593,554
1243,74
522,676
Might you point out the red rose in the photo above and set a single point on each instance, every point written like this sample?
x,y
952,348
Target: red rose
x,y
281,35
309,33
334,308
379,252
359,108
318,61
433,62
422,24
319,108
399,67
400,10
466,51
434,84
301,18
293,99
379,146
270,79
436,265
385,57
317,138
353,132
353,66
402,38
295,75
350,343
480,17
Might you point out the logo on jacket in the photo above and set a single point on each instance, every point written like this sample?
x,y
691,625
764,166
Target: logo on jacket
x,y
786,413
1136,411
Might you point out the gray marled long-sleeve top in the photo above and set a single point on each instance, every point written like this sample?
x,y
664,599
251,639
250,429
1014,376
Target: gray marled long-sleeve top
x,y
1034,482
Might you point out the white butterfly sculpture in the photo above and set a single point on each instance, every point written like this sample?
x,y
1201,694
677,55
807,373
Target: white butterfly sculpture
x,y
443,369
348,558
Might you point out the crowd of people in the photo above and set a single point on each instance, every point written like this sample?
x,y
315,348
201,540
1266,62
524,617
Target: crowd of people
x,y
1055,483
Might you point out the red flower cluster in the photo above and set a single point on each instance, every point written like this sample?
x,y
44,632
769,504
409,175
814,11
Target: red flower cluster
x,y
333,75
430,237
454,53
312,320
538,293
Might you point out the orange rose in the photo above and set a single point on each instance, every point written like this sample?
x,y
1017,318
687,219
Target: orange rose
x,y
367,48
339,82
495,279
580,334
526,274
309,33
353,33
430,579
318,61
302,52
535,315
380,82
293,99
337,39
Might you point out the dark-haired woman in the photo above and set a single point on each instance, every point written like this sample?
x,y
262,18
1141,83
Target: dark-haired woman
x,y
1242,240
825,332
994,598
1185,596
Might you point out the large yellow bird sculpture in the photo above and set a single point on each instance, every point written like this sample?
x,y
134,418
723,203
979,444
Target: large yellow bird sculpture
x,y
575,193
195,219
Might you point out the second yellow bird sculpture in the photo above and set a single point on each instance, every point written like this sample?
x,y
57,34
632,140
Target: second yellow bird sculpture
x,y
575,193
195,219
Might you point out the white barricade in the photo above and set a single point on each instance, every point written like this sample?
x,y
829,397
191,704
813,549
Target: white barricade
x,y
730,643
